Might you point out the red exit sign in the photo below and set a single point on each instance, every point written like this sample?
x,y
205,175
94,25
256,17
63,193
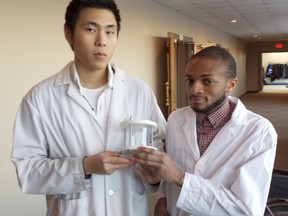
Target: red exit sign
x,y
279,45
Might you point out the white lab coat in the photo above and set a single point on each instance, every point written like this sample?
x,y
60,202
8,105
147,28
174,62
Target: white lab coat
x,y
233,175
54,129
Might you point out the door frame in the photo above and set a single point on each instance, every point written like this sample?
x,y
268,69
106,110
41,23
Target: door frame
x,y
172,39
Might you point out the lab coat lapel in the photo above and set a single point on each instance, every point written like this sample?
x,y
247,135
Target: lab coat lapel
x,y
116,112
66,77
73,92
230,130
189,130
224,135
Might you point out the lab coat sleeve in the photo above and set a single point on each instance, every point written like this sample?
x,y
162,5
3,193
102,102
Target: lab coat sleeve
x,y
37,173
247,194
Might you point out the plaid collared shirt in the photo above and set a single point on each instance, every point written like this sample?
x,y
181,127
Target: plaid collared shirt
x,y
208,126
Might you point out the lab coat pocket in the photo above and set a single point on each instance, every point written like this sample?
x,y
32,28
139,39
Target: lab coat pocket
x,y
74,196
73,204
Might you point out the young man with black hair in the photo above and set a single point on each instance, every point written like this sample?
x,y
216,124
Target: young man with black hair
x,y
67,138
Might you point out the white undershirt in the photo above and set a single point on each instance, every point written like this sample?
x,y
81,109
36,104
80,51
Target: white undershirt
x,y
93,95
97,100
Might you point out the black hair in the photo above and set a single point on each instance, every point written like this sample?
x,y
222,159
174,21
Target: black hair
x,y
75,6
216,52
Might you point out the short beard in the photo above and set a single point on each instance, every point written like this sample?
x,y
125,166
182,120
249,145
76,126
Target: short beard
x,y
211,107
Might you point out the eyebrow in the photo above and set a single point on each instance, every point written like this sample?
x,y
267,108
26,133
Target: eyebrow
x,y
98,25
203,75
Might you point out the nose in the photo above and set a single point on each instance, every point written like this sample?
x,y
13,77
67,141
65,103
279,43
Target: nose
x,y
194,88
100,40
100,44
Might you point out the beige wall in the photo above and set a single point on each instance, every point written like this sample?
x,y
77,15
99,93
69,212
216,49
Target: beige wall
x,y
32,47
254,63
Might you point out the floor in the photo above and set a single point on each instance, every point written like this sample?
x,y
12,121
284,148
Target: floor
x,y
272,104
275,88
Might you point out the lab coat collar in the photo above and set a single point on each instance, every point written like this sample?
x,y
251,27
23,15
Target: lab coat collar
x,y
238,118
69,75
63,76
239,115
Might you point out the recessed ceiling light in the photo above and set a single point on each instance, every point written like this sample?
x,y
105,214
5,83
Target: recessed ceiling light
x,y
233,20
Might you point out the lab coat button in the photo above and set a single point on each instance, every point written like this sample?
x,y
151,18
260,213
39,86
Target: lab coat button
x,y
110,192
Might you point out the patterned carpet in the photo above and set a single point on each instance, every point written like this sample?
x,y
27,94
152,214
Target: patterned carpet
x,y
272,103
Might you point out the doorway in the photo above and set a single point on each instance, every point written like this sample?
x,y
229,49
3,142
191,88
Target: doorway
x,y
180,49
274,72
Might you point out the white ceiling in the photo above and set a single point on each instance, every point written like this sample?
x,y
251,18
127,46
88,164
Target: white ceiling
x,y
257,20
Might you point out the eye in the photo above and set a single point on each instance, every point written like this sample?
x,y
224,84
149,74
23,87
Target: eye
x,y
91,30
208,81
189,81
110,32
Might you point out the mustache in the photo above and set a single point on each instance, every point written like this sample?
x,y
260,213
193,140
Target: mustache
x,y
191,97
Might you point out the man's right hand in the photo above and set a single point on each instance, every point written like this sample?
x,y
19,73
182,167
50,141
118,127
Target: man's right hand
x,y
105,163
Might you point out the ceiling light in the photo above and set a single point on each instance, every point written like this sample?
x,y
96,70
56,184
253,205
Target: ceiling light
x,y
233,20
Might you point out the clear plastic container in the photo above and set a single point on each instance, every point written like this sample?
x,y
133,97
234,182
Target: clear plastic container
x,y
137,133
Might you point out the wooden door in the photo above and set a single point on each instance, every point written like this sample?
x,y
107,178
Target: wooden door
x,y
180,49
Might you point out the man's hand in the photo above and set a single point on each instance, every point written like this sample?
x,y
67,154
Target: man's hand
x,y
147,175
105,163
159,163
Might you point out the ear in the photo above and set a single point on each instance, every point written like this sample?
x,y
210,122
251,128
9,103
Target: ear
x,y
231,84
68,35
